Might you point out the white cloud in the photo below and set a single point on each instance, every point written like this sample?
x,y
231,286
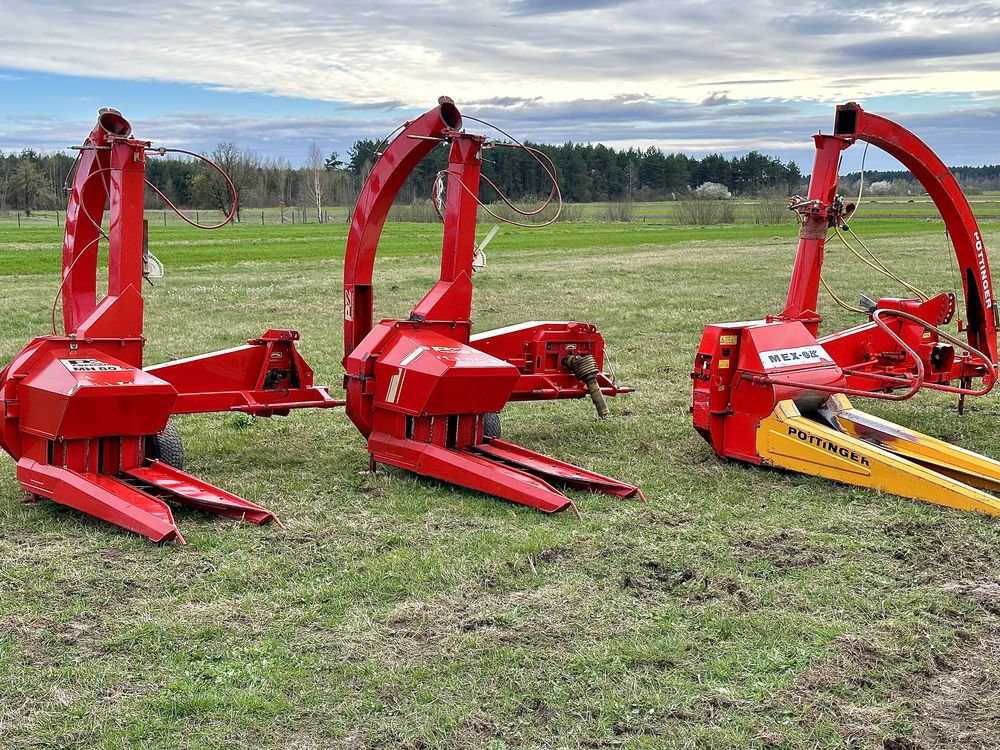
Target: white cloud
x,y
726,75
402,51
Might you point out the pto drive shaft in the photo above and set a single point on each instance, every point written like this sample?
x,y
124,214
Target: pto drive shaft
x,y
584,366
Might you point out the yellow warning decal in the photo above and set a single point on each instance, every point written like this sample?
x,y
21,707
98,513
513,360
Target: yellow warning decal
x,y
729,339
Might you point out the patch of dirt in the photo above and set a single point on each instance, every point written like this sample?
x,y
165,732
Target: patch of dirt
x,y
666,519
788,549
47,640
833,690
960,707
955,697
692,586
856,657
551,554
418,630
414,626
932,551
985,593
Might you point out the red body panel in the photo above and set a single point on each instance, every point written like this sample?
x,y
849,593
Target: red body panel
x,y
266,376
743,369
422,372
85,393
418,389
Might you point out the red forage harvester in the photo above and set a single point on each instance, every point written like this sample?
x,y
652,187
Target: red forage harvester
x,y
423,390
82,417
774,392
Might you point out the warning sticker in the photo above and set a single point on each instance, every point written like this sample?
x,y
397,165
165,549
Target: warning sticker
x,y
801,355
89,365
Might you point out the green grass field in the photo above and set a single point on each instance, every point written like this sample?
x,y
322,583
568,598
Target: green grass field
x,y
916,207
741,608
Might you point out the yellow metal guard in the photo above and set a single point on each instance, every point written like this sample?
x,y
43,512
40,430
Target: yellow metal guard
x,y
871,452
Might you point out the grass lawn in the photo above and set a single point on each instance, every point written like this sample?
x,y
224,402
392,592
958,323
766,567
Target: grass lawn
x,y
741,608
746,210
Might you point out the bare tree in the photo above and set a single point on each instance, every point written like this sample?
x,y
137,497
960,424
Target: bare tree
x,y
243,168
316,167
289,182
631,179
278,188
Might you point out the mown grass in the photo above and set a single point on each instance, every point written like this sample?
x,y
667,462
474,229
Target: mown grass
x,y
741,608
37,251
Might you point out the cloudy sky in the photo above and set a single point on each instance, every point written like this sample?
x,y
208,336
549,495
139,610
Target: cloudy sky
x,y
726,75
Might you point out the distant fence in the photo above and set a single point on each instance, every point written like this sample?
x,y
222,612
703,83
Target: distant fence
x,y
655,212
259,216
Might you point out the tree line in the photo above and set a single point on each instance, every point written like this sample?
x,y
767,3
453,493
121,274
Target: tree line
x,y
30,180
595,172
972,179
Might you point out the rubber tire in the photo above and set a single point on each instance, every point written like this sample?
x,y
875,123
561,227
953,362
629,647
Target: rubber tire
x,y
166,447
491,425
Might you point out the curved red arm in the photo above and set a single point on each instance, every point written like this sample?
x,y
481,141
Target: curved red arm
x,y
959,220
84,213
377,194
854,124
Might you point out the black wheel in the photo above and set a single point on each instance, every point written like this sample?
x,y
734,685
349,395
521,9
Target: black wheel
x,y
166,447
491,425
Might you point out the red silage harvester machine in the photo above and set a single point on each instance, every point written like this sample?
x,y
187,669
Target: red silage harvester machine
x,y
422,390
85,422
772,392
